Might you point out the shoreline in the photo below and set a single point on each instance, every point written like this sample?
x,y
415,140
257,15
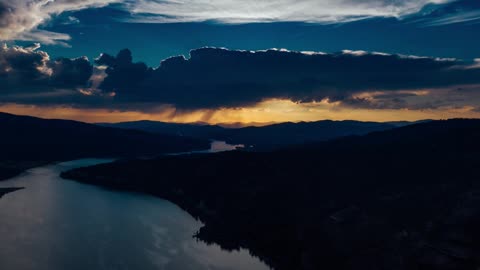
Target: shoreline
x,y
220,226
5,191
11,169
212,230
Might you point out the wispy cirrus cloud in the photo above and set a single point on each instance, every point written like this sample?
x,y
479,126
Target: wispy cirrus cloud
x,y
25,19
458,17
247,11
22,19
456,12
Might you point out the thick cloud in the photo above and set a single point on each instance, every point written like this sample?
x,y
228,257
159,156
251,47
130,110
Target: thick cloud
x,y
19,64
122,73
71,72
214,78
27,73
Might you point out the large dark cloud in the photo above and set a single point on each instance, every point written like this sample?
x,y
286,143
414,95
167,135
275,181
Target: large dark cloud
x,y
213,78
71,72
123,75
22,65
27,67
28,75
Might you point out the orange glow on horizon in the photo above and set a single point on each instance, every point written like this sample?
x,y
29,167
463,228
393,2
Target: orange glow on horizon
x,y
265,112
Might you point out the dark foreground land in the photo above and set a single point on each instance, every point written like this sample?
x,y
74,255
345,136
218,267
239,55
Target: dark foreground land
x,y
12,167
28,142
407,198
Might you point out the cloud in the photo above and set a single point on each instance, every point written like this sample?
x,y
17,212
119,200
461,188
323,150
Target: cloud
x,y
215,78
246,11
28,75
27,19
23,67
21,19
427,99
71,72
460,11
458,17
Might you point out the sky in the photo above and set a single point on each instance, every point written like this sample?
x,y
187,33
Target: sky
x,y
220,61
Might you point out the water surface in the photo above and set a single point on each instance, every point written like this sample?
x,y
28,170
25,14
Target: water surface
x,y
59,224
215,147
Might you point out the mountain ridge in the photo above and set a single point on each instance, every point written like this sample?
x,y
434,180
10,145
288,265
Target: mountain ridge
x,y
267,137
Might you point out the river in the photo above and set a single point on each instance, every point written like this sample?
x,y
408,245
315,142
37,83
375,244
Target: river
x,y
58,224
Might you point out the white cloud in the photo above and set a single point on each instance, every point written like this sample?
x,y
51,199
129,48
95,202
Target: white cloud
x,y
20,19
23,19
472,16
244,11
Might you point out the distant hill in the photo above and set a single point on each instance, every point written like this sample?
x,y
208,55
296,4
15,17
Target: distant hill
x,y
25,141
247,124
197,130
283,134
403,198
266,137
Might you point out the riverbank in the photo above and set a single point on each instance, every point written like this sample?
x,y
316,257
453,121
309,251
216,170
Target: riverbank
x,y
4,191
11,168
78,224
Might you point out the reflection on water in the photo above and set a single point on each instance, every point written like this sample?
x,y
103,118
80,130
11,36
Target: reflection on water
x,y
219,146
215,147
58,224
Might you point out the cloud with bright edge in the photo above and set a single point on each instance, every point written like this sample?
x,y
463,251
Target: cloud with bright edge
x,y
216,78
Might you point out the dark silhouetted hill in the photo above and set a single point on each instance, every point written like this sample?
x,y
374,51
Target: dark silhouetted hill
x,y
266,137
406,198
190,130
28,141
280,135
